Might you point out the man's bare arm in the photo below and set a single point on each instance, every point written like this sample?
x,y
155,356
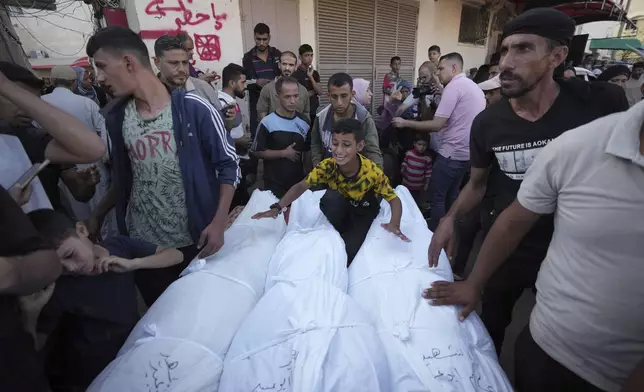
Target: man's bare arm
x,y
472,193
73,141
503,239
22,275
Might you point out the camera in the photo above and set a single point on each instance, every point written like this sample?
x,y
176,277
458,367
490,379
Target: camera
x,y
421,91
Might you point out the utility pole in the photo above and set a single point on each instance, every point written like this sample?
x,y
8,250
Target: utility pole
x,y
623,22
10,46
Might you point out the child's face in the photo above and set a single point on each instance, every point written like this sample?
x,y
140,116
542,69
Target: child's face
x,y
420,146
345,148
76,253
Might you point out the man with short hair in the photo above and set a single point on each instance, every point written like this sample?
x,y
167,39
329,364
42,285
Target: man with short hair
x,y
309,78
434,54
282,137
262,65
234,87
173,62
189,45
175,169
462,100
340,90
391,78
506,139
634,84
268,99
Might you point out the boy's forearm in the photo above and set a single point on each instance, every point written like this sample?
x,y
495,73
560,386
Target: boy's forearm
x,y
396,212
163,258
294,193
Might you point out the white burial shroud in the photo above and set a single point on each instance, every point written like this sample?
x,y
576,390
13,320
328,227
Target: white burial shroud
x,y
428,349
180,343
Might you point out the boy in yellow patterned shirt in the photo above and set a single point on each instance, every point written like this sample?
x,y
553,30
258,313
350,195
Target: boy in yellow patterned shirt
x,y
355,186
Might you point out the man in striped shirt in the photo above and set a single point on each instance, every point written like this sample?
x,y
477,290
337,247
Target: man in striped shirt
x,y
416,169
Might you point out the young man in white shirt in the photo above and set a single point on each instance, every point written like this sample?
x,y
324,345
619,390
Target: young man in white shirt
x,y
233,88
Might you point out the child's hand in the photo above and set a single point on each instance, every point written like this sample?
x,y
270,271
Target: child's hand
x,y
272,213
395,230
115,264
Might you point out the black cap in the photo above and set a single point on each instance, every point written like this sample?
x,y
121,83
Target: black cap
x,y
613,71
544,22
16,73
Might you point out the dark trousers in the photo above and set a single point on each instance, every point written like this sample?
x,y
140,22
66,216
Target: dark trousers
x,y
79,349
21,368
501,294
351,219
153,282
536,371
447,175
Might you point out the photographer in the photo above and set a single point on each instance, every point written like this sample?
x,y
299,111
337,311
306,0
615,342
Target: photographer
x,y
410,103
421,104
460,102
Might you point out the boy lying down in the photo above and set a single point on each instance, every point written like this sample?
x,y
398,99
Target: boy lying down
x,y
93,307
355,185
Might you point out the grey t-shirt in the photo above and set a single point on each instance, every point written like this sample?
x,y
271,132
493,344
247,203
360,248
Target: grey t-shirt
x,y
590,288
157,211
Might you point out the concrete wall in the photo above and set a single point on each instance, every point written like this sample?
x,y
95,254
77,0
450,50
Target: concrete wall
x,y
215,26
439,23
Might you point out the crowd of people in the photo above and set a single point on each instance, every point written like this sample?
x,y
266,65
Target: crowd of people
x,y
135,172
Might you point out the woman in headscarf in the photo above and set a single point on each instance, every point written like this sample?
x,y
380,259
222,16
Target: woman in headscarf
x,y
84,84
616,74
362,92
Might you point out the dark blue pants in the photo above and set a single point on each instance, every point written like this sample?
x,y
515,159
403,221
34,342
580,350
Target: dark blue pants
x,y
447,175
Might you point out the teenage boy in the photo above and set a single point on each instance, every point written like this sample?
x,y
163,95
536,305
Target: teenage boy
x,y
281,139
434,54
309,78
355,186
92,309
233,87
175,167
341,95
391,78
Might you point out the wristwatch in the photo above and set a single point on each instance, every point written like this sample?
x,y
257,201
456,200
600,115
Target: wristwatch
x,y
278,207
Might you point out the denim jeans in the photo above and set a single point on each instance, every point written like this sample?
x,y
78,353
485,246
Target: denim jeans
x,y
447,175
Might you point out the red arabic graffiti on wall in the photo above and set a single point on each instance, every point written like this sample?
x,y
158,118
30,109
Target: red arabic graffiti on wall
x,y
185,14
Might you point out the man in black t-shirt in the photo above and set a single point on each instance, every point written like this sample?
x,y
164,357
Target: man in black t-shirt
x,y
281,139
505,139
309,78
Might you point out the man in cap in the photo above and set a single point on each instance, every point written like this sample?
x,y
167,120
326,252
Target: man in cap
x,y
506,139
492,90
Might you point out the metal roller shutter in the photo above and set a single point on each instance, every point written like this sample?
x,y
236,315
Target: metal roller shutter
x,y
360,37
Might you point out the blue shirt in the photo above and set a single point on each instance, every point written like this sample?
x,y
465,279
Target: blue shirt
x,y
109,297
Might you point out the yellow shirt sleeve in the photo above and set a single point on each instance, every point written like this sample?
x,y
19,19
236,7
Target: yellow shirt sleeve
x,y
321,174
381,184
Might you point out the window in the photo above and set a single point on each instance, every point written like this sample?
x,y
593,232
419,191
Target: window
x,y
474,25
